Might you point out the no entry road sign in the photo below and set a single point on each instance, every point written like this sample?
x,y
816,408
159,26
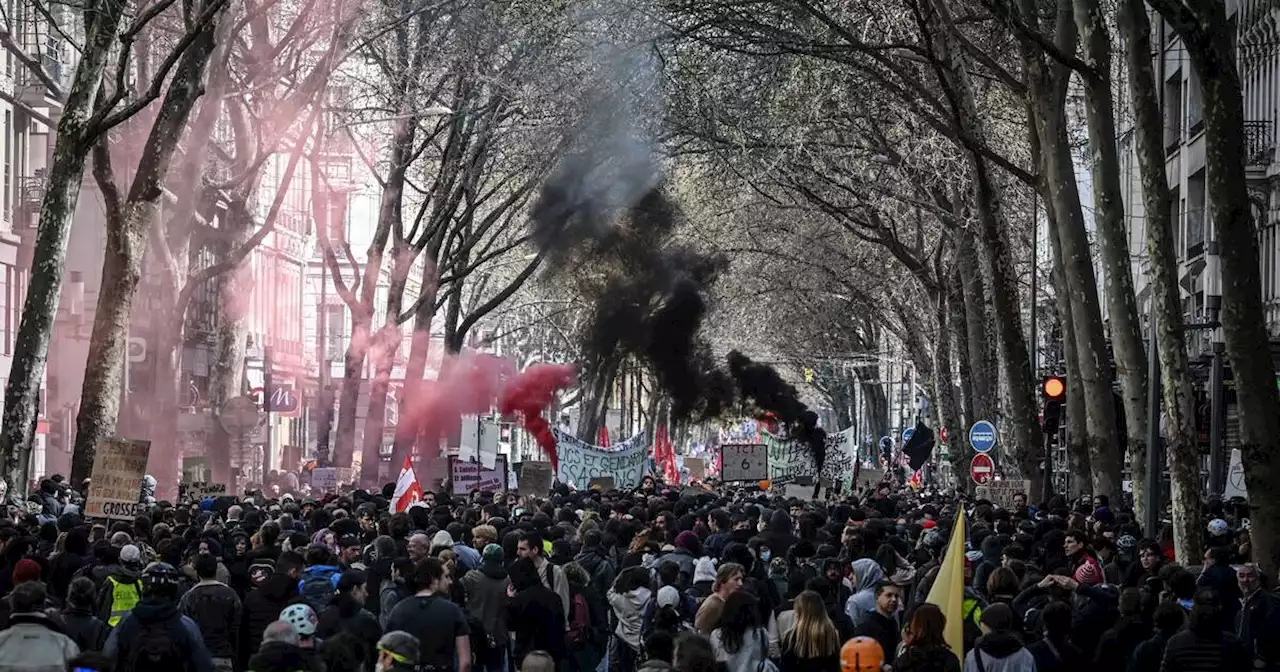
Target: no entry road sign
x,y
982,470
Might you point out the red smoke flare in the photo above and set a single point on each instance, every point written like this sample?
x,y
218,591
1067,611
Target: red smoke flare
x,y
529,394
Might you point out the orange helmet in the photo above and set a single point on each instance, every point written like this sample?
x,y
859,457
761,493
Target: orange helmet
x,y
861,654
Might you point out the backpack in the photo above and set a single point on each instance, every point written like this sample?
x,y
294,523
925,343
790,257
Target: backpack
x,y
317,590
579,619
159,646
260,571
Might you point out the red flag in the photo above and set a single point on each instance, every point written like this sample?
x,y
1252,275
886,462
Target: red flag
x,y
602,439
408,490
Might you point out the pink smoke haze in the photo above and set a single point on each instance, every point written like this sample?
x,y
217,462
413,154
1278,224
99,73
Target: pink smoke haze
x,y
469,384
530,393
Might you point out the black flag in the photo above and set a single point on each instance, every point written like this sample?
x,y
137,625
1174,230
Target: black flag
x,y
919,447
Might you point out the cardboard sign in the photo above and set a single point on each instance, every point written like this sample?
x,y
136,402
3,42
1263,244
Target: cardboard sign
x,y
602,483
324,479
744,462
469,477
1002,492
202,489
697,467
118,468
536,478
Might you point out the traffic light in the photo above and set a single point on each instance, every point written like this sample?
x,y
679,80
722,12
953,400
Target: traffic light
x,y
1053,389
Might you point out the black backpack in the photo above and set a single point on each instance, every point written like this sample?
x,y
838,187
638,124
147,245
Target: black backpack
x,y
159,646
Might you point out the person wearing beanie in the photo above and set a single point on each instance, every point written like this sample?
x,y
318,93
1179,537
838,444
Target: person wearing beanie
x,y
78,620
121,590
1000,648
486,590
397,652
704,578
26,570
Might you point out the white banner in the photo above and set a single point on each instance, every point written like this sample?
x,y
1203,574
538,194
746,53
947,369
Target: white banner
x,y
789,459
468,477
744,462
626,462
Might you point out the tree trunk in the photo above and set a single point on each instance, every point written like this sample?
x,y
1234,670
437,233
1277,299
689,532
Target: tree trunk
x,y
982,366
344,440
415,371
1048,93
958,322
127,229
57,210
383,353
1122,310
230,345
944,389
998,262
1209,38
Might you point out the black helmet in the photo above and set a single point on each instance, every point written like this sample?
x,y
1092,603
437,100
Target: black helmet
x,y
160,577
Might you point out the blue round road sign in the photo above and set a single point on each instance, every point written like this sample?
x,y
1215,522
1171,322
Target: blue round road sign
x,y
982,436
907,434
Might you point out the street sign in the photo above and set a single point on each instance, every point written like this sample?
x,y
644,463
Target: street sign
x,y
907,434
886,444
136,349
982,436
982,470
240,415
283,400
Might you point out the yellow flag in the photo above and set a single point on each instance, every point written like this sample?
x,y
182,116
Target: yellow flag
x,y
948,590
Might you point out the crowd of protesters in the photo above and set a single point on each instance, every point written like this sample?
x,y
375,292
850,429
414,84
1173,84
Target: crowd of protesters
x,y
650,580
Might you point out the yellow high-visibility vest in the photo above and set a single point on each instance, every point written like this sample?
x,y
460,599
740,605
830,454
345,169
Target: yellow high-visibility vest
x,y
124,597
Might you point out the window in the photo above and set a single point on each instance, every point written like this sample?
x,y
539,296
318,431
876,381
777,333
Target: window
x,y
6,308
1173,112
1195,214
1195,103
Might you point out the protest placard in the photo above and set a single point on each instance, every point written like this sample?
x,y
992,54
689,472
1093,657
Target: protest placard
x,y
1002,492
469,477
536,478
118,467
324,479
200,489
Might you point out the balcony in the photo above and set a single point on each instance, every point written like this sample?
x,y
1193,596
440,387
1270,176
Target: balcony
x,y
1259,143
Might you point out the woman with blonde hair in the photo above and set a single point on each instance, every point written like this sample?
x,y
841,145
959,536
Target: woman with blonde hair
x,y
924,647
813,644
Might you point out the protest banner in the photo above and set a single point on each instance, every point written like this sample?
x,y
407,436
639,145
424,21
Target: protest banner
x,y
324,480
536,478
790,459
744,462
626,463
1001,492
200,489
118,468
468,477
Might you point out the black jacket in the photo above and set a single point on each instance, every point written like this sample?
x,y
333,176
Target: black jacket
x,y
535,616
1189,651
883,629
920,659
87,630
347,615
282,657
262,606
1117,644
217,611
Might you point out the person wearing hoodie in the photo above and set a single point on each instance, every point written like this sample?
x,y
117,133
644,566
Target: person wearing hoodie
x,y
394,589
262,606
47,496
347,614
78,620
534,613
280,652
998,649
319,581
121,587
216,610
778,535
63,566
33,641
704,579
154,636
867,574
628,597
992,549
486,589
687,550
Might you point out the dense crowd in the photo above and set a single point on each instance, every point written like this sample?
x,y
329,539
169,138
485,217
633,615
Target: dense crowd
x,y
650,580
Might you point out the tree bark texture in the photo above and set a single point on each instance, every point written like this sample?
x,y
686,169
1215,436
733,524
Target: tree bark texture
x,y
128,226
386,342
57,209
230,346
997,258
1047,89
944,388
1122,310
982,364
1210,41
958,322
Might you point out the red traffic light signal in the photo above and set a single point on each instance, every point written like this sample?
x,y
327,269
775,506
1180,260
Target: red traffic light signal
x,y
1053,388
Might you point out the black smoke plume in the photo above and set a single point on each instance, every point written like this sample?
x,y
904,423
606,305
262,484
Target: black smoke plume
x,y
604,217
764,387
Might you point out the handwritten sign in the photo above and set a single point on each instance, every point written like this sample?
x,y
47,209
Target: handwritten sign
x,y
1002,492
697,467
324,479
579,464
118,468
202,489
469,477
536,478
744,462
789,459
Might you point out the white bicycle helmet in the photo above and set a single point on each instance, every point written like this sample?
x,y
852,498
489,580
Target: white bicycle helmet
x,y
302,618
1218,527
